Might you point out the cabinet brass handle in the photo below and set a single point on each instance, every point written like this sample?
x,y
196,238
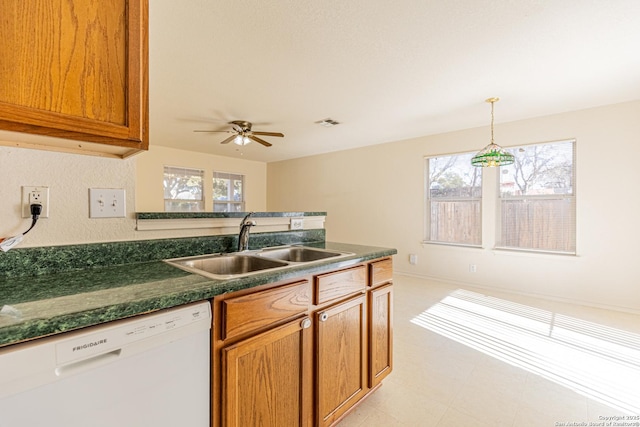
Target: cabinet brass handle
x,y
306,323
323,317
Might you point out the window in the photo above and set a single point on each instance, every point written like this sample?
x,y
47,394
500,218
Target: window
x,y
228,192
537,199
183,189
454,199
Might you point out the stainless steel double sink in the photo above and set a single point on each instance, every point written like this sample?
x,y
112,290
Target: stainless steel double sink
x,y
240,264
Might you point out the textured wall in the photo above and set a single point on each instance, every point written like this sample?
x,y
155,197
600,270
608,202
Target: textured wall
x,y
69,177
150,171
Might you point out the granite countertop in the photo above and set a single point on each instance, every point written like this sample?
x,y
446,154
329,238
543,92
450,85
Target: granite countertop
x,y
238,215
47,304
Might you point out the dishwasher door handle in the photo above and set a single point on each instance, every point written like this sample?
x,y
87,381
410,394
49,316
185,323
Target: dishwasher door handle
x,y
88,363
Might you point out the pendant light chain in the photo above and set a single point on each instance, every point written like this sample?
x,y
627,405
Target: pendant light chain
x,y
492,102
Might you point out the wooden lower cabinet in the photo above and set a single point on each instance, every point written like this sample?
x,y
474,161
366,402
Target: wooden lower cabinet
x,y
264,380
380,333
341,362
301,353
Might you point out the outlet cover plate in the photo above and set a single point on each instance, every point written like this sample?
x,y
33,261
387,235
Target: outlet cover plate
x,y
297,224
35,195
107,203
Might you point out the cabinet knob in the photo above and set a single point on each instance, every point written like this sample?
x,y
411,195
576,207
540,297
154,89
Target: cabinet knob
x,y
306,323
323,317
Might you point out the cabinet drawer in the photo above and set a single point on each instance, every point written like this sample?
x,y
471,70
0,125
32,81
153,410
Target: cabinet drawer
x,y
331,286
381,271
254,311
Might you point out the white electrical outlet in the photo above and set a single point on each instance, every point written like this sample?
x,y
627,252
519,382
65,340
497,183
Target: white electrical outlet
x,y
106,203
297,223
472,268
32,195
413,259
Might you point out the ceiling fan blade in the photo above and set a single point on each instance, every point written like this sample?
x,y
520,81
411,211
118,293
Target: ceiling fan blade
x,y
261,141
228,140
268,133
224,131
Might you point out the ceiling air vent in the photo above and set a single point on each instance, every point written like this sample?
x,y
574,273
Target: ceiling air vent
x,y
327,123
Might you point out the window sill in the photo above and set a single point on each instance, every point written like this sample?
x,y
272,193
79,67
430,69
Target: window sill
x,y
452,245
530,252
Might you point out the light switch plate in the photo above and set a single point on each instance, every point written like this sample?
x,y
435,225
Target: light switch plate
x,y
107,203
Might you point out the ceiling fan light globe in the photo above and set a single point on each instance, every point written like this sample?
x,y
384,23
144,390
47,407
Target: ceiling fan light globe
x,y
241,140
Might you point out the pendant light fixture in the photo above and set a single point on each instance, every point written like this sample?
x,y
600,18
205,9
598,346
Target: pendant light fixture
x,y
492,155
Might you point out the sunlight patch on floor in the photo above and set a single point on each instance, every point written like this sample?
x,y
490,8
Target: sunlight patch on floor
x,y
597,361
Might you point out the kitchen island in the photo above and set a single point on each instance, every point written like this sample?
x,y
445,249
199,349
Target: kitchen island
x,y
316,337
45,304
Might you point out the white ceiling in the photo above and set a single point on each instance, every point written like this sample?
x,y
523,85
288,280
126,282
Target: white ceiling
x,y
386,69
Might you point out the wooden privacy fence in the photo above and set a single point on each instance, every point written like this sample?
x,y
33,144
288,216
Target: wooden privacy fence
x,y
544,224
456,222
540,224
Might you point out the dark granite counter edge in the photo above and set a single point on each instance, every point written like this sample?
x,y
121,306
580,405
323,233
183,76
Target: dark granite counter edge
x,y
44,327
192,215
199,289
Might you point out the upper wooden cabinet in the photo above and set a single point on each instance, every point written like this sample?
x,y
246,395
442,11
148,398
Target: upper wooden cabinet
x,y
78,70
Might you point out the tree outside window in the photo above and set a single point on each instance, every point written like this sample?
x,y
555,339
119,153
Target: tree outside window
x,y
228,192
537,198
454,199
183,189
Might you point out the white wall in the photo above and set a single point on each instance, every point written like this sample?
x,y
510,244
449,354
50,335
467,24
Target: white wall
x,y
70,176
150,172
375,196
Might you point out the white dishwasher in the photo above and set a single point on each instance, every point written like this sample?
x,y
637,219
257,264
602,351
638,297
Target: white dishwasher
x,y
152,370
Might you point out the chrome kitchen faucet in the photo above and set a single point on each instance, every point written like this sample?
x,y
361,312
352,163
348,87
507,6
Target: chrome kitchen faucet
x,y
243,237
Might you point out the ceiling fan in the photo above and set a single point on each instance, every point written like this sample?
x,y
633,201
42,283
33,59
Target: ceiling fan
x,y
242,134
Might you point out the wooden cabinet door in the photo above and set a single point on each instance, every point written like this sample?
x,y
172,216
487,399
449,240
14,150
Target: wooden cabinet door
x,y
341,362
265,378
76,69
380,334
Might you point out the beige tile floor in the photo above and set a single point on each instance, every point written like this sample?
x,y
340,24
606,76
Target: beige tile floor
x,y
470,357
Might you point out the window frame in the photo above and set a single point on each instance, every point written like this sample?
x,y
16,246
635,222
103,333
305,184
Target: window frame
x,y
229,203
428,239
541,197
195,205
